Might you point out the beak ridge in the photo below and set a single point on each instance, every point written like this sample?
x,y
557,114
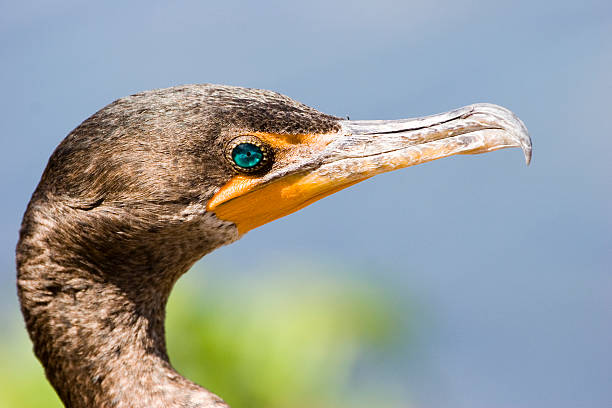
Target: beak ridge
x,y
473,129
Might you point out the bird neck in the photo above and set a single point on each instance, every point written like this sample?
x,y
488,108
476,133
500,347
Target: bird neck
x,y
97,322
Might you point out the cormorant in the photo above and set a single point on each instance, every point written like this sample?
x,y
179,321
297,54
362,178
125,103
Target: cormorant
x,y
149,184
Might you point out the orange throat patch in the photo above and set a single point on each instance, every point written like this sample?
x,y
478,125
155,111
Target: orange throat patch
x,y
247,204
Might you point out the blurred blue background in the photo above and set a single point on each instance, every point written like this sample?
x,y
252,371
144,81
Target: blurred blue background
x,y
504,270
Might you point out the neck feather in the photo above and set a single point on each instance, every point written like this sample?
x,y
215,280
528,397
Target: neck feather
x,y
95,312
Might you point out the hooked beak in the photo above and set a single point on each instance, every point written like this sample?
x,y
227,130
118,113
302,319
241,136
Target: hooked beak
x,y
371,147
360,150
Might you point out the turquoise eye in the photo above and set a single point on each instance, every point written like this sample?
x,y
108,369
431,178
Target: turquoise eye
x,y
248,154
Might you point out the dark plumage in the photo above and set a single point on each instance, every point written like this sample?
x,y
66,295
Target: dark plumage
x,y
117,217
121,213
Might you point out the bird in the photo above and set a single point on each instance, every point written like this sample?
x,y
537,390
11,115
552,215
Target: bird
x,y
152,182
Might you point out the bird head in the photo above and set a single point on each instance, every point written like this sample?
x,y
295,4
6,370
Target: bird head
x,y
224,160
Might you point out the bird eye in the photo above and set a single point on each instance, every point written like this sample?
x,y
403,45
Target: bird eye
x,y
248,154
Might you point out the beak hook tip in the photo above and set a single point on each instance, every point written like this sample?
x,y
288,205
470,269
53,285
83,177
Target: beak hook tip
x,y
527,152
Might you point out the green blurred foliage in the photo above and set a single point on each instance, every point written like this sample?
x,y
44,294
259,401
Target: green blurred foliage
x,y
21,375
271,341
